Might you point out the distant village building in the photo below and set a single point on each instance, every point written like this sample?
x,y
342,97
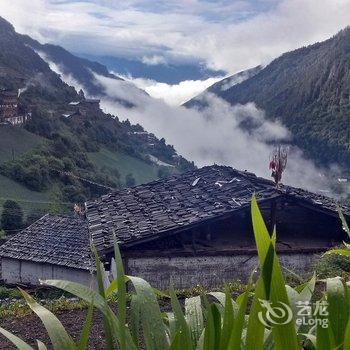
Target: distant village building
x,y
9,109
187,230
83,107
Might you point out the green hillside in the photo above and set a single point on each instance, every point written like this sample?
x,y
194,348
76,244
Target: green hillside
x,y
308,91
15,141
124,164
30,201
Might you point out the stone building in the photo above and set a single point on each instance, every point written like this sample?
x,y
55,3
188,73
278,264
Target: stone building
x,y
192,229
85,106
9,109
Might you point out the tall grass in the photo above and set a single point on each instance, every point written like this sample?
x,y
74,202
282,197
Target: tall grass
x,y
265,316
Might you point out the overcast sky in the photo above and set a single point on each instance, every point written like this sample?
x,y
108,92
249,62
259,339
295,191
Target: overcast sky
x,y
225,34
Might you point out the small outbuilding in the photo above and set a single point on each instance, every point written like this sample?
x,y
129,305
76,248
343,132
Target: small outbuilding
x,y
54,247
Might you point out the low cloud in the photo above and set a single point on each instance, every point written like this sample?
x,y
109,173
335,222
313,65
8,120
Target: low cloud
x,y
153,60
216,133
67,78
175,94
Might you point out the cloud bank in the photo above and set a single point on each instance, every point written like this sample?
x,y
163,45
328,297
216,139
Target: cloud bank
x,y
215,134
231,35
176,94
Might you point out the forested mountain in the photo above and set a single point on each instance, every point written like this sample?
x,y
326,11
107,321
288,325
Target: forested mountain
x,y
61,148
82,70
163,71
309,91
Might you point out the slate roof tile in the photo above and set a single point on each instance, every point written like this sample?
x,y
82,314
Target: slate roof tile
x,y
183,199
53,239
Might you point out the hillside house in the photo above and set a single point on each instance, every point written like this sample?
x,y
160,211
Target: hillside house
x,y
84,106
9,109
195,228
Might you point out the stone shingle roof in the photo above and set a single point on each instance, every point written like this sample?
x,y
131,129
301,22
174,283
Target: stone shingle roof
x,y
171,204
53,239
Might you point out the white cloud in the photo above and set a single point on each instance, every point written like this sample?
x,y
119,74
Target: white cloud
x,y
176,94
214,135
67,78
153,60
229,35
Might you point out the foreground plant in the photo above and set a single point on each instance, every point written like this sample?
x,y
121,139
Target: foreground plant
x,y
208,322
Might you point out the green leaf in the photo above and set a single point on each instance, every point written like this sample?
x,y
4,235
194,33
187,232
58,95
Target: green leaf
x,y
121,294
107,326
153,326
60,339
135,322
344,223
78,290
238,324
284,335
325,338
338,308
181,323
345,252
213,326
347,337
41,345
84,337
18,342
228,319
194,318
96,299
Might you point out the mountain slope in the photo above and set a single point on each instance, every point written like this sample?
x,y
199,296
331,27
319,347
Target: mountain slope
x,y
164,72
82,70
53,153
308,90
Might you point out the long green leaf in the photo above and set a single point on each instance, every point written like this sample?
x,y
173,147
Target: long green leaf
x,y
344,223
41,345
285,335
237,330
101,288
151,318
84,337
135,322
228,319
181,322
347,337
91,296
194,318
121,294
18,342
338,308
60,339
209,341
